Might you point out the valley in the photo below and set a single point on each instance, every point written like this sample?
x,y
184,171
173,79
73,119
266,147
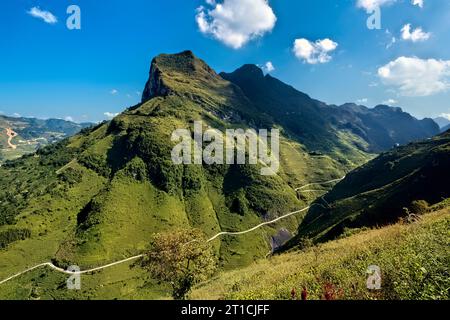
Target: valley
x,y
21,136
94,198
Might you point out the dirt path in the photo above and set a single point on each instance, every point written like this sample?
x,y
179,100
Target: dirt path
x,y
11,134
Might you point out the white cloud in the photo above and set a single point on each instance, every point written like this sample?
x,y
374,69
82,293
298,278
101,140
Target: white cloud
x,y
236,22
445,115
370,5
416,35
16,115
268,67
110,115
363,100
391,42
69,118
46,16
417,3
416,77
390,102
114,92
314,52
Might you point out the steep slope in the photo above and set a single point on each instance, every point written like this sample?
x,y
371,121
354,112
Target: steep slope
x,y
325,127
32,133
378,192
96,197
446,128
413,259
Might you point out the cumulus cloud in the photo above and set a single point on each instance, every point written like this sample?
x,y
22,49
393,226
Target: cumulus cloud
x,y
46,16
370,5
390,102
236,22
417,3
314,52
268,67
416,35
362,100
110,115
114,92
414,77
69,118
445,115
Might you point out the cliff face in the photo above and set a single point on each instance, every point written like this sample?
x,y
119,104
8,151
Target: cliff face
x,y
155,85
178,74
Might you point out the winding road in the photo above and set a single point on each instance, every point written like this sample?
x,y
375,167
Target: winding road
x,y
52,266
11,134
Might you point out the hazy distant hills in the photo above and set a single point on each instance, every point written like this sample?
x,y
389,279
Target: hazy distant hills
x,y
33,133
442,122
446,128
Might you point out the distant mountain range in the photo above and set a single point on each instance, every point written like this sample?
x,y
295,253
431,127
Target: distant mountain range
x,y
320,126
446,128
442,122
32,133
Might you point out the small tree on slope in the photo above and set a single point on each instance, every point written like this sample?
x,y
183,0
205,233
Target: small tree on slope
x,y
181,258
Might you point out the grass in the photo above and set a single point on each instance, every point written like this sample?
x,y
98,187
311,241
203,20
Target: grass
x,y
413,258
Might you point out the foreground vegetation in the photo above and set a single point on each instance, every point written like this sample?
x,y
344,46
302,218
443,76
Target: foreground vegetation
x,y
414,260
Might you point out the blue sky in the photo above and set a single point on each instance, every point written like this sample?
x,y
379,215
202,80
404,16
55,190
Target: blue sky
x,y
47,70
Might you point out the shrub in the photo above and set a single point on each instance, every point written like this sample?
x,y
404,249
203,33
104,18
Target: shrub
x,y
12,235
419,207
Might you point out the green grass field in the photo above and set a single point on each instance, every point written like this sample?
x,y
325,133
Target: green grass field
x,y
413,258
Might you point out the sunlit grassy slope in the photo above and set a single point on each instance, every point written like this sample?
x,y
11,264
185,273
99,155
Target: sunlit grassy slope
x,y
413,258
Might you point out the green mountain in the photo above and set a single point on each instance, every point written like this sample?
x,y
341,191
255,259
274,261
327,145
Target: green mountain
x,y
377,193
96,197
31,134
321,126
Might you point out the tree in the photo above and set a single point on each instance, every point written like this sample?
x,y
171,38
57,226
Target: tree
x,y
181,258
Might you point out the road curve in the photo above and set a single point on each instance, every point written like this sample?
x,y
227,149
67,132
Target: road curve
x,y
316,183
52,266
11,134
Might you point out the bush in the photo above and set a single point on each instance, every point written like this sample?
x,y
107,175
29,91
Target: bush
x,y
12,235
419,207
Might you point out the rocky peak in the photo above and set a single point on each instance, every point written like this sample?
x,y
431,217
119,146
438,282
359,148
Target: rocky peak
x,y
166,67
246,72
